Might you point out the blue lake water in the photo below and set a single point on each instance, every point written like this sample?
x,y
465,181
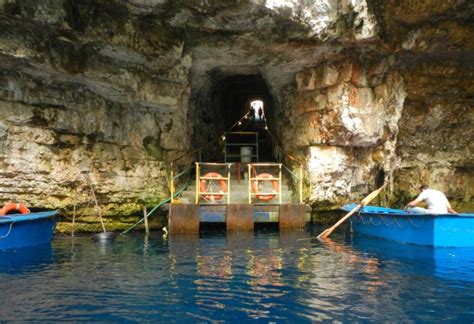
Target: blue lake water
x,y
265,276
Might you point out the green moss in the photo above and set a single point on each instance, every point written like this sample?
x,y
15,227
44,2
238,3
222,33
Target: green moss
x,y
326,217
118,224
152,147
463,206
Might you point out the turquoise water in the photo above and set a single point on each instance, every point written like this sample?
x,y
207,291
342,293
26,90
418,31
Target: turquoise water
x,y
263,276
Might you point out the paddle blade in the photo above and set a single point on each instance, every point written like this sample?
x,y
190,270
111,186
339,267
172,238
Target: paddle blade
x,y
324,234
328,231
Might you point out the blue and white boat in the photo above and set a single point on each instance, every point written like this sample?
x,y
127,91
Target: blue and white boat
x,y
22,230
448,230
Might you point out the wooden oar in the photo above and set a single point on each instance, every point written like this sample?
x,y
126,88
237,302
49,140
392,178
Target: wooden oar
x,y
364,202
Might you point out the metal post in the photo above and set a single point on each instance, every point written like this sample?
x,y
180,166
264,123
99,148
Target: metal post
x,y
225,149
73,216
171,184
250,183
228,183
145,216
279,183
197,182
301,184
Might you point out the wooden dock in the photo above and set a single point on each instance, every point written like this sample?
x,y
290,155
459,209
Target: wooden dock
x,y
241,202
186,218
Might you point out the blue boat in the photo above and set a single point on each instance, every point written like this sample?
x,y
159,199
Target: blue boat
x,y
447,230
22,230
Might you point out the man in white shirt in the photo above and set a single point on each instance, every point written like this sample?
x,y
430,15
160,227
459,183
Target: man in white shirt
x,y
435,200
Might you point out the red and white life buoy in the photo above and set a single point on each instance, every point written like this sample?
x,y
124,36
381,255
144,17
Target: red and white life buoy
x,y
205,184
22,209
265,196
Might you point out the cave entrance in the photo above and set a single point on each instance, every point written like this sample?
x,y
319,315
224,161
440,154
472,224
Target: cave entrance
x,y
243,103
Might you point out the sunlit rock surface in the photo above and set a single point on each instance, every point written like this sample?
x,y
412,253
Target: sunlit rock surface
x,y
362,91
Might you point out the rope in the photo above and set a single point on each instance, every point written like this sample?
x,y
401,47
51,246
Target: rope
x,y
388,225
184,172
279,146
396,222
212,141
9,231
155,208
292,174
363,221
416,226
372,222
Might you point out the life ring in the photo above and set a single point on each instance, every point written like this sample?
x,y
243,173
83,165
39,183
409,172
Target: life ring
x,y
266,196
12,207
204,189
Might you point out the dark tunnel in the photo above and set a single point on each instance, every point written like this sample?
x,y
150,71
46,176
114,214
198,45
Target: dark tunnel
x,y
231,98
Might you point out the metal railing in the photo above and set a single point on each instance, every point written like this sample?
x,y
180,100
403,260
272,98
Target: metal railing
x,y
230,145
254,181
199,178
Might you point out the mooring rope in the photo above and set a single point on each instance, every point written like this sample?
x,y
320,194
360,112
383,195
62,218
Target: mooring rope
x,y
388,225
372,221
176,194
417,226
397,223
9,231
368,219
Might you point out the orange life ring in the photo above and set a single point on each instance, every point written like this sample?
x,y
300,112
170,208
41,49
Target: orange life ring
x,y
266,196
12,207
203,188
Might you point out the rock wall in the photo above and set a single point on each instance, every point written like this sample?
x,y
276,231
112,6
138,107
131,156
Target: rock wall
x,y
363,91
344,123
436,140
81,89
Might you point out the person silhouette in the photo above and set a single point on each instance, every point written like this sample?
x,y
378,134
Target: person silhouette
x,y
252,113
260,114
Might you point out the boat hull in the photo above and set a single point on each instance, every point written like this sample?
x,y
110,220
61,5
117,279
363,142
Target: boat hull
x,y
424,229
17,231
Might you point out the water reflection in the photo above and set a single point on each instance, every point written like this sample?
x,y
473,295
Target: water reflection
x,y
26,259
266,276
448,263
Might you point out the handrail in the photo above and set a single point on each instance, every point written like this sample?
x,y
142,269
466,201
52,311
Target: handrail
x,y
252,166
212,141
200,193
229,131
173,178
299,179
290,172
232,143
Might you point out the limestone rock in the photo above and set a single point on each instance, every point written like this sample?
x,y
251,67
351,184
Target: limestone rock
x,y
359,91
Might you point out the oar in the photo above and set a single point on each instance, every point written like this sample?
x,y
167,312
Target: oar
x,y
364,202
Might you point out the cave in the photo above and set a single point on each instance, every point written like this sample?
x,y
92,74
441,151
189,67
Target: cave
x,y
230,97
357,94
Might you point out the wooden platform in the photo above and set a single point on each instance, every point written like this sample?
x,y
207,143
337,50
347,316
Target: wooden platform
x,y
185,218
